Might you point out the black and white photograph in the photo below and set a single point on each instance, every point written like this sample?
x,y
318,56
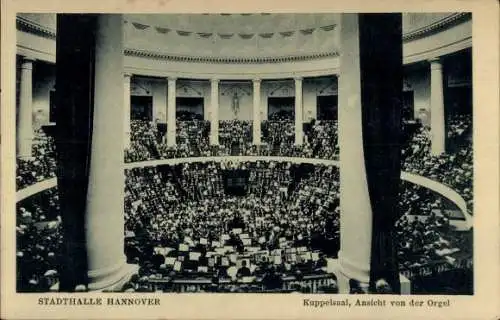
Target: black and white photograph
x,y
300,154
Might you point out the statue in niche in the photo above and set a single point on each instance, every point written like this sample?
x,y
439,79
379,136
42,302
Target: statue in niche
x,y
235,104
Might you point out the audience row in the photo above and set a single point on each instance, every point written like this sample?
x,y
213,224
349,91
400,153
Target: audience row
x,y
184,221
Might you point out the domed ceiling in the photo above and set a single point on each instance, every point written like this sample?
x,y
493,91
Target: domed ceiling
x,y
234,35
241,36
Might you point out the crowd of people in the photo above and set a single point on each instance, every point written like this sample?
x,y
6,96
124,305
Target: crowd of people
x,y
42,164
424,232
322,137
235,135
39,241
145,140
166,206
454,169
183,222
235,138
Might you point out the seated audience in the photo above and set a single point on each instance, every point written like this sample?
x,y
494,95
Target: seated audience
x,y
183,222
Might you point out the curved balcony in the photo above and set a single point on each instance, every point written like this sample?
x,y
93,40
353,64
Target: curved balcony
x,y
460,224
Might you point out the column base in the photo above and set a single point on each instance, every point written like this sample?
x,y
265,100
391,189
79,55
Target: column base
x,y
343,280
346,270
405,285
100,280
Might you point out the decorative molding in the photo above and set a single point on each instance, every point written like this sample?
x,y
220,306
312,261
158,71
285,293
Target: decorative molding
x,y
139,88
267,35
140,26
186,89
162,30
437,26
236,88
246,36
281,88
32,27
204,35
227,60
183,33
437,51
226,36
187,72
327,87
307,31
329,27
287,33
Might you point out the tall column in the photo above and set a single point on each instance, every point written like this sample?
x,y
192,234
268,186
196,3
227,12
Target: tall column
x,y
126,109
437,108
214,111
105,207
25,116
256,112
171,112
355,211
369,133
299,134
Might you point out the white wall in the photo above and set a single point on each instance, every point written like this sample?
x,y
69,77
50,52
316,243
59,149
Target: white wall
x,y
243,93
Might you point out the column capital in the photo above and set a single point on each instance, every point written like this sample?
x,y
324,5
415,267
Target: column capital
x,y
27,63
256,80
27,59
436,62
127,75
172,79
298,78
214,80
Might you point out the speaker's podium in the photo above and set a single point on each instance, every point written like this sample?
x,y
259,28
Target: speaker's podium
x,y
236,181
